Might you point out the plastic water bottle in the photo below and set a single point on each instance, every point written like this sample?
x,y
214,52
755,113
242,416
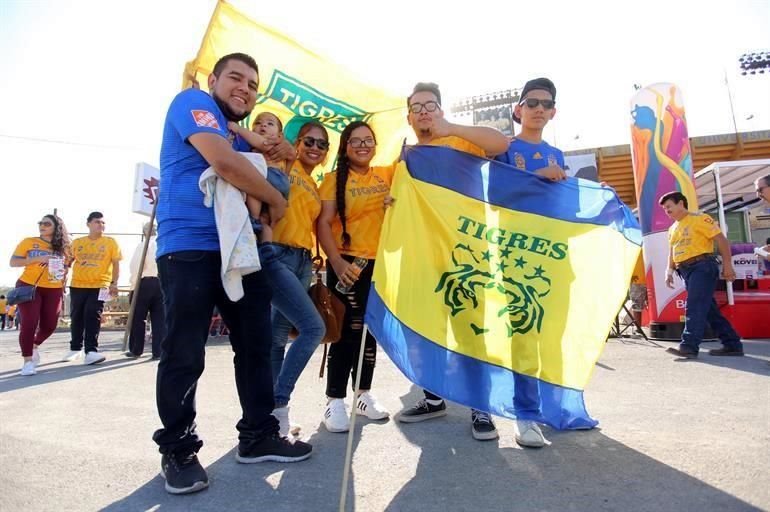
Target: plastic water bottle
x,y
360,264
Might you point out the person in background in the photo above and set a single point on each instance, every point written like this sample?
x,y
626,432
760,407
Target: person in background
x,y
96,268
3,305
691,254
149,298
44,259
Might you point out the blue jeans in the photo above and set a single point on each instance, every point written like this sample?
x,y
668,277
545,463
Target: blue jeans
x,y
192,286
700,280
289,271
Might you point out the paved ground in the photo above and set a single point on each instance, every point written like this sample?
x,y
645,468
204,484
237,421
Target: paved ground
x,y
675,436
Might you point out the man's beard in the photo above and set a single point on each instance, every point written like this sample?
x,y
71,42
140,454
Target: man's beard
x,y
227,111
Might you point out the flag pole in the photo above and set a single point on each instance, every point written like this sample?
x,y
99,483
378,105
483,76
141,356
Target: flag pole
x,y
140,270
351,429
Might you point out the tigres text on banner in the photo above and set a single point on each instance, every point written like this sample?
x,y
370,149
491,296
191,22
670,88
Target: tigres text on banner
x,y
494,286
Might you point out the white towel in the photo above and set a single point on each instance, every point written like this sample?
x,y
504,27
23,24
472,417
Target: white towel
x,y
237,243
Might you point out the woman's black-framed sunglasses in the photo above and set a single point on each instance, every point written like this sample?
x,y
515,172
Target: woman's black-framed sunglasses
x,y
534,102
45,223
321,144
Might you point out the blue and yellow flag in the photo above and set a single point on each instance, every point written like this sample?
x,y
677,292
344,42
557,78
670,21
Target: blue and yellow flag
x,y
496,288
297,84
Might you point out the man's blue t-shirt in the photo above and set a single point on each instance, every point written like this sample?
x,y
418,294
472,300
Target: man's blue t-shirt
x,y
184,223
527,156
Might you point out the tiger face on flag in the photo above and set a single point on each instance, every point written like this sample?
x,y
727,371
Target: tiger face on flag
x,y
492,282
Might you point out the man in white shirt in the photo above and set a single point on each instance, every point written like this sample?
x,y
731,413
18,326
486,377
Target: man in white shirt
x,y
149,299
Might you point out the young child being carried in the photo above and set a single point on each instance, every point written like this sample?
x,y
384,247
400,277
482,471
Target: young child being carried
x,y
266,131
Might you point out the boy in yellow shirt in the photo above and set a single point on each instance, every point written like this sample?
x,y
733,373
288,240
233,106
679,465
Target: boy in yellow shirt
x,y
691,246
96,267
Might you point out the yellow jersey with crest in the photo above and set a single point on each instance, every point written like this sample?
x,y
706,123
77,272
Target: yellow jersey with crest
x,y
692,236
296,228
92,266
36,273
364,208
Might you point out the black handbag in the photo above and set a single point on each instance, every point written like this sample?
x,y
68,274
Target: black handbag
x,y
24,293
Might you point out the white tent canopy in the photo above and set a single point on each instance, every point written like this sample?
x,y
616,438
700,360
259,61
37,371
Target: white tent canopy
x,y
736,180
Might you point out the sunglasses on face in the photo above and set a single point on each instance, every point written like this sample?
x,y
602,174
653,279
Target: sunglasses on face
x,y
368,142
45,223
321,144
534,102
429,106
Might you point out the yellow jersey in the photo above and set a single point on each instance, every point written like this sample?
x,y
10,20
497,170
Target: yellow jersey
x,y
36,273
458,144
692,236
364,208
296,228
3,304
92,267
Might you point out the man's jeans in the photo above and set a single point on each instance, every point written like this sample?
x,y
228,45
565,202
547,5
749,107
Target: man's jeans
x,y
289,271
191,286
700,280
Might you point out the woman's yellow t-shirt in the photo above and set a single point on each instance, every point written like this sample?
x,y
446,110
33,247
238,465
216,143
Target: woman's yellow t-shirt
x,y
36,273
692,236
297,226
364,208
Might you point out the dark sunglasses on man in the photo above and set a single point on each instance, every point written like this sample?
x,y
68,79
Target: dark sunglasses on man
x,y
534,102
321,144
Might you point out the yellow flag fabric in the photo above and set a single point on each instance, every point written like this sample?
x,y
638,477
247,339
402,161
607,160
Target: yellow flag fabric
x,y
297,84
496,288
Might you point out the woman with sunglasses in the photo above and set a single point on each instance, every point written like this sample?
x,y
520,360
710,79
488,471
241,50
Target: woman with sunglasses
x,y
286,256
45,259
349,228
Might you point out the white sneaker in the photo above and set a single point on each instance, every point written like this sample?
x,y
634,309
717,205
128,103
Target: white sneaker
x,y
527,433
370,407
36,356
336,417
282,415
93,358
73,355
28,368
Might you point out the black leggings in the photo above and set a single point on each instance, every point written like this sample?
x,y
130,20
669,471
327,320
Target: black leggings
x,y
343,355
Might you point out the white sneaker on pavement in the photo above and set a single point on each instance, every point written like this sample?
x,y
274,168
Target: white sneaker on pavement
x,y
336,417
28,368
93,358
73,355
36,356
527,433
370,407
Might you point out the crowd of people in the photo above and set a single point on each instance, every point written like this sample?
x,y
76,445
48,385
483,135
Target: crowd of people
x,y
291,216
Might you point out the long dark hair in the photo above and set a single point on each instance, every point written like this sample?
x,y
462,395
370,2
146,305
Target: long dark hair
x,y
343,171
60,240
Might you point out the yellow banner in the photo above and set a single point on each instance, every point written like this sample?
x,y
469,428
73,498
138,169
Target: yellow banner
x,y
297,84
510,288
